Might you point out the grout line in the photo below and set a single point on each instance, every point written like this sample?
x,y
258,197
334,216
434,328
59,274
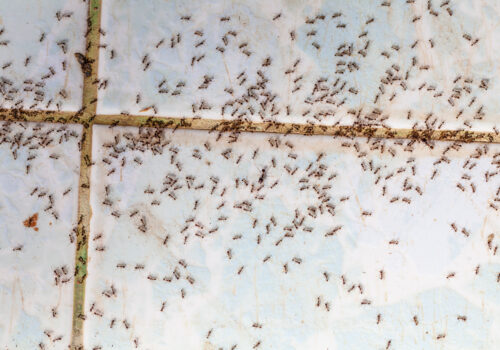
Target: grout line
x,y
19,115
303,129
85,116
88,116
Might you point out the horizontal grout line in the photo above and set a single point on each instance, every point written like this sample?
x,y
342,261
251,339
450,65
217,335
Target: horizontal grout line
x,y
38,116
245,126
302,129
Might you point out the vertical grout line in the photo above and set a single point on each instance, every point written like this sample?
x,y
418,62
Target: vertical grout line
x,y
89,64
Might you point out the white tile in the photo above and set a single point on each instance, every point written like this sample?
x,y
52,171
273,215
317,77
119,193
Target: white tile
x,y
153,48
37,257
38,43
145,187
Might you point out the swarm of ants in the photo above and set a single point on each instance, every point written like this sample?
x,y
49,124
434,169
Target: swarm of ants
x,y
38,67
233,241
38,207
230,232
400,64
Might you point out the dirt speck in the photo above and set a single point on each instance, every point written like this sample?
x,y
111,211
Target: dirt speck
x,y
31,221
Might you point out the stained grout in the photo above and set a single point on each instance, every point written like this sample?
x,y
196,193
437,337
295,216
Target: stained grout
x,y
247,126
300,129
85,116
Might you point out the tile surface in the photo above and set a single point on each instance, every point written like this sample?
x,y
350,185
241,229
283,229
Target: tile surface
x,y
38,42
38,209
424,64
207,241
